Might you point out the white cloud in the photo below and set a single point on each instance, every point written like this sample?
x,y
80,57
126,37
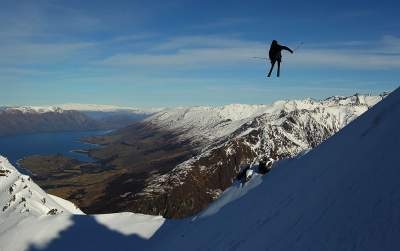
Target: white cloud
x,y
206,51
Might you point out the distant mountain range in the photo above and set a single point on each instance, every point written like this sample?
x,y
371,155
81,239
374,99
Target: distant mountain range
x,y
28,120
106,108
68,117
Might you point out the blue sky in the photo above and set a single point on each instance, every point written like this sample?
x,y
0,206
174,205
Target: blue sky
x,y
179,53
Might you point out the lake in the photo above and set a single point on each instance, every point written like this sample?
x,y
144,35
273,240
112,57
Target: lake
x,y
19,146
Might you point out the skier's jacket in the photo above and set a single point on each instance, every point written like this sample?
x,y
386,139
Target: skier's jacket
x,y
275,51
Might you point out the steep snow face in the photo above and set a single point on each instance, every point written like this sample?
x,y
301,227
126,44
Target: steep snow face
x,y
19,195
21,202
30,218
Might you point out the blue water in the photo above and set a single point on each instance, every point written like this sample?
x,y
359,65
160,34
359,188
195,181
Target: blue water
x,y
19,146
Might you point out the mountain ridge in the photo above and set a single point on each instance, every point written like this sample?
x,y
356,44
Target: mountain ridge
x,y
222,141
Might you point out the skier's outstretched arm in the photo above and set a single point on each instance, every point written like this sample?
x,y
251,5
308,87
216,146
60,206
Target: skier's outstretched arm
x,y
286,48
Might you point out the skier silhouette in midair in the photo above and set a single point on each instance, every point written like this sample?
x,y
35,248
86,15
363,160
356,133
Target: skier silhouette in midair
x,y
275,55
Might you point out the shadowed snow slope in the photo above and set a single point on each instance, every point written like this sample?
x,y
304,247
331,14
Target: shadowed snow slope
x,y
342,195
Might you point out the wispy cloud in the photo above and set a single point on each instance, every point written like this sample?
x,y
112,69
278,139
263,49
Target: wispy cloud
x,y
41,33
131,37
225,22
381,54
204,41
48,34
43,20
345,59
40,53
205,51
391,43
191,51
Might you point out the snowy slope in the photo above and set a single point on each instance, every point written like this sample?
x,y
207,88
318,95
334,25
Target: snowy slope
x,y
31,218
21,196
343,195
20,200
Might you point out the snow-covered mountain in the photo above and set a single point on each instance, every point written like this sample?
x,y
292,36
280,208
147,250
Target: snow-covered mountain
x,y
342,195
67,117
229,136
31,109
21,196
28,119
114,116
22,202
80,107
30,218
106,108
209,123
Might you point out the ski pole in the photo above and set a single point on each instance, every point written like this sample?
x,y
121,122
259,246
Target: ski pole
x,y
298,46
260,58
